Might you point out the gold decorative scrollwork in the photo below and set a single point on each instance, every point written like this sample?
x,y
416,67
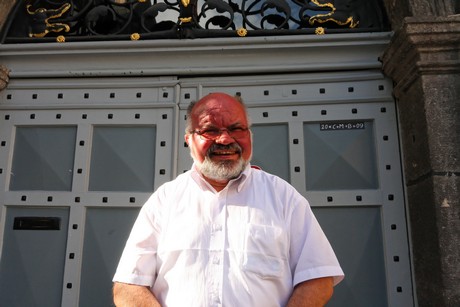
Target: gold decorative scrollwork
x,y
332,16
42,23
151,19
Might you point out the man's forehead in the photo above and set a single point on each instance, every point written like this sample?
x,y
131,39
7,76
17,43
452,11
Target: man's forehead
x,y
216,107
215,103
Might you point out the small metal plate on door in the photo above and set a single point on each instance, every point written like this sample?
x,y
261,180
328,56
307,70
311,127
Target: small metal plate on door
x,y
342,126
37,223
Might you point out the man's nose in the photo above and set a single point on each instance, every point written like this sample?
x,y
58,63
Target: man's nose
x,y
224,138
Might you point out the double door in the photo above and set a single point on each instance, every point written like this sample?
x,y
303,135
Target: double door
x,y
77,162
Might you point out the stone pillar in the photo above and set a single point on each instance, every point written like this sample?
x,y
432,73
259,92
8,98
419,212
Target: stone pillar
x,y
5,7
3,77
423,59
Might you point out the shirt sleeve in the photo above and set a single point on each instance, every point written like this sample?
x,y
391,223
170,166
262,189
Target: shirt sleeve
x,y
311,255
139,258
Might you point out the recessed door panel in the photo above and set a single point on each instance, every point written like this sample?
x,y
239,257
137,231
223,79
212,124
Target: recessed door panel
x,y
340,156
106,231
270,149
356,234
33,256
43,158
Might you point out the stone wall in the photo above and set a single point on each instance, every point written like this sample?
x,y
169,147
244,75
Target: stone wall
x,y
423,59
5,7
3,77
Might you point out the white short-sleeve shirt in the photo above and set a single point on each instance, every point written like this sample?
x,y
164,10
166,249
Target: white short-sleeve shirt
x,y
247,245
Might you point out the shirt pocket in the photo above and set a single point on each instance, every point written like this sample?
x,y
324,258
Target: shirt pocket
x,y
264,251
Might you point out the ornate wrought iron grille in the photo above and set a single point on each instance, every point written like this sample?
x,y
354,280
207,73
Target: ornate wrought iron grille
x,y
84,20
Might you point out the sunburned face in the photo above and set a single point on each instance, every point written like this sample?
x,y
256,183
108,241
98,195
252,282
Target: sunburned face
x,y
221,144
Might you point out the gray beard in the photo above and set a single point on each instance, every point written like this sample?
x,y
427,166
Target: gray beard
x,y
222,171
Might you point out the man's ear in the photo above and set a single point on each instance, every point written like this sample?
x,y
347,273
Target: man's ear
x,y
186,138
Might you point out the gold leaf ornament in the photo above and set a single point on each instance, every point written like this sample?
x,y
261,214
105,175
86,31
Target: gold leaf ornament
x,y
135,36
320,31
60,39
242,32
185,20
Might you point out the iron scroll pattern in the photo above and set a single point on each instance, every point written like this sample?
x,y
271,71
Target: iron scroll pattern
x,y
85,20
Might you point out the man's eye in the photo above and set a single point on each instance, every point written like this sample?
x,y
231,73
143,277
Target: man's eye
x,y
237,129
211,132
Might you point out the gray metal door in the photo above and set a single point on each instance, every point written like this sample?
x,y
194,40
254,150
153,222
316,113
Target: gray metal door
x,y
88,153
334,137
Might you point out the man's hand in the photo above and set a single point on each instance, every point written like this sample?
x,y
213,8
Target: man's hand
x,y
312,293
127,295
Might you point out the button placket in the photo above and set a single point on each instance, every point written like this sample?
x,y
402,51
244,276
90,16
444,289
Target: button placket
x,y
216,250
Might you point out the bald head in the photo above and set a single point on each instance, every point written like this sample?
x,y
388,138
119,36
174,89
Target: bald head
x,y
197,107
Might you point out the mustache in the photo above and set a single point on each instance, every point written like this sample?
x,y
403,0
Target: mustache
x,y
215,147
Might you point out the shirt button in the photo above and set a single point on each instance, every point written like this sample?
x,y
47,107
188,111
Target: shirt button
x,y
215,260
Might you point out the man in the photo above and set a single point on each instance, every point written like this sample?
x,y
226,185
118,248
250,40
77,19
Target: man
x,y
223,233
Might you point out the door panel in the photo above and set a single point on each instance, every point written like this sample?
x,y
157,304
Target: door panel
x,y
33,257
122,159
357,238
43,158
270,149
340,156
106,230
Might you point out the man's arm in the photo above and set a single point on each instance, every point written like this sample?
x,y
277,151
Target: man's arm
x,y
312,293
127,295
